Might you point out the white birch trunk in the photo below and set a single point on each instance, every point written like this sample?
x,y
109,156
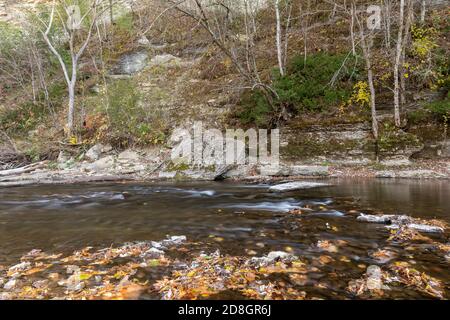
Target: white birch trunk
x,y
423,11
397,65
278,36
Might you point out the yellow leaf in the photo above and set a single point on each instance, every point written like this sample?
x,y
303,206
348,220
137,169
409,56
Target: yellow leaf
x,y
85,276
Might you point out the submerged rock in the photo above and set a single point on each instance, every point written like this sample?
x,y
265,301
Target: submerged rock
x,y
170,241
383,255
5,296
272,257
19,267
298,185
40,284
10,284
329,213
153,253
399,221
385,218
374,275
425,228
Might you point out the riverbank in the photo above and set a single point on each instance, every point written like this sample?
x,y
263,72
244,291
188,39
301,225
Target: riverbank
x,y
132,166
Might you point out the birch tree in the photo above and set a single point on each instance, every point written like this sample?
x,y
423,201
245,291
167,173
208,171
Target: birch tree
x,y
404,25
282,48
387,22
406,36
366,43
423,11
398,56
71,24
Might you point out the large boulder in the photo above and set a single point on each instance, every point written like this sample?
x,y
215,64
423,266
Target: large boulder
x,y
103,164
96,151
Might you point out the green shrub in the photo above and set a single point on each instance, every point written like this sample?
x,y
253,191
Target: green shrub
x,y
129,122
440,109
124,23
391,139
419,116
123,109
306,87
256,109
23,118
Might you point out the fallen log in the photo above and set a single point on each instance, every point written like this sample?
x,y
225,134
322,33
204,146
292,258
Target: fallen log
x,y
26,169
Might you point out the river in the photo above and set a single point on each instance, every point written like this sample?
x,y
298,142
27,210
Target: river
x,y
233,217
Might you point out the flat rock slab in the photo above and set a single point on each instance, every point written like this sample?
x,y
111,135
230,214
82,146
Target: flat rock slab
x,y
294,170
298,185
131,63
412,174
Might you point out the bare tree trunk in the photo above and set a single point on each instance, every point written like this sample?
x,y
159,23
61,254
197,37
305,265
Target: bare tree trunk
x,y
387,19
286,36
278,36
365,45
70,114
397,65
305,30
33,81
352,31
111,12
402,81
423,11
366,51
403,56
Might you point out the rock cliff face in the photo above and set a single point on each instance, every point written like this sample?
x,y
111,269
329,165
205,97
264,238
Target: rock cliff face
x,y
13,11
347,144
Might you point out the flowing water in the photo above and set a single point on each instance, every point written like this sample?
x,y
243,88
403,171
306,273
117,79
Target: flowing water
x,y
234,218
